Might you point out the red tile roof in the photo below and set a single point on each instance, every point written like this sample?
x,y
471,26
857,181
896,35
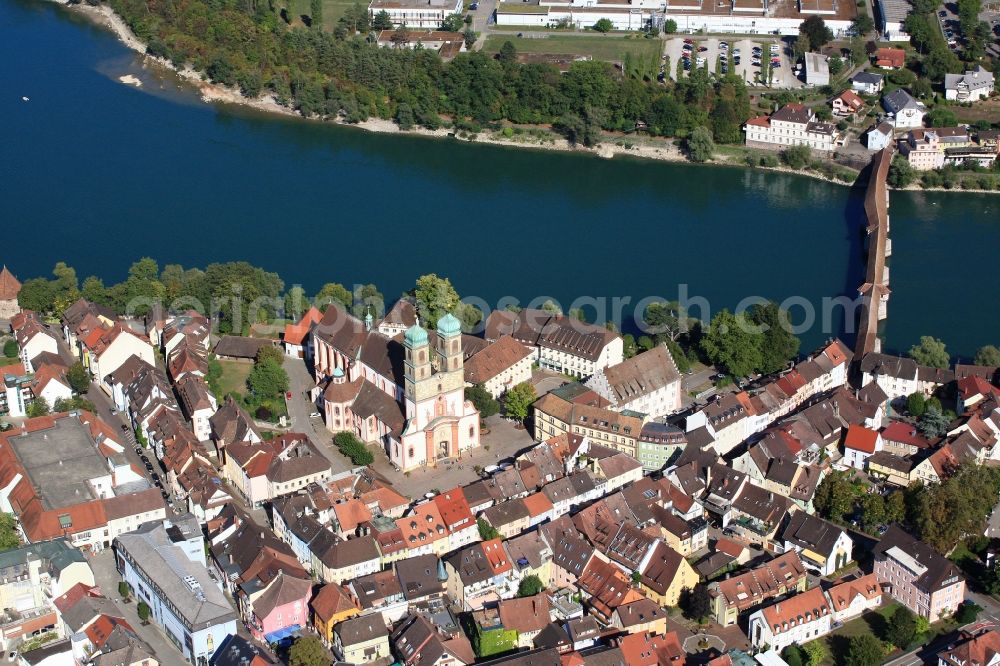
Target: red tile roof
x,y
887,57
10,287
537,504
904,433
861,438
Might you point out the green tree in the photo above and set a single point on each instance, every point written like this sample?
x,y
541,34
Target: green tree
x,y
797,157
352,447
124,590
382,21
309,651
452,23
967,612
988,356
895,507
930,352
483,401
836,65
518,400
733,343
333,292
815,653
486,531
793,655
901,174
143,611
37,407
834,496
942,514
508,52
864,650
872,510
10,349
901,628
815,28
9,536
38,295
94,290
862,24
670,26
316,13
933,423
529,586
916,404
700,145
779,344
268,380
696,602
296,303
941,117
604,25
435,297
665,319
78,378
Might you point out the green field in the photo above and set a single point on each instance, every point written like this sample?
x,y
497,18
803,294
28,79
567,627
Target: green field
x,y
234,378
609,47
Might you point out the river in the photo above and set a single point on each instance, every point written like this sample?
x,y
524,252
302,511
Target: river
x,y
98,173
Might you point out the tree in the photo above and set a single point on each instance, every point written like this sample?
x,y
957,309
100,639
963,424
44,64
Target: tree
x,y
941,117
316,13
967,612
815,653
779,345
988,356
696,602
864,650
901,174
486,531
942,514
933,423
10,348
78,378
916,404
732,343
895,507
508,52
670,26
793,655
124,590
604,25
862,24
9,537
267,380
452,23
529,586
435,298
796,157
518,399
930,352
836,65
834,496
802,46
815,28
333,292
902,627
484,402
700,145
872,510
352,447
382,21
296,303
309,651
37,294
143,610
37,407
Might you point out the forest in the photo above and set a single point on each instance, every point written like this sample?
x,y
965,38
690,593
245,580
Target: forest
x,y
248,44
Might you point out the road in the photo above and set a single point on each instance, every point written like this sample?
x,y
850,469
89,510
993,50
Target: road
x,y
300,408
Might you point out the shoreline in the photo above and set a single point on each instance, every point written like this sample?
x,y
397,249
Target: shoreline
x,y
216,93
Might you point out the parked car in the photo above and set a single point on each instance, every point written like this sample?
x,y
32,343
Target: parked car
x,y
474,6
314,415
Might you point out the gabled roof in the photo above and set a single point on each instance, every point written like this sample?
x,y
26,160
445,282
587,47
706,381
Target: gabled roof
x,y
10,287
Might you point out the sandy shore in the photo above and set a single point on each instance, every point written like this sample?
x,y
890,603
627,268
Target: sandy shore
x,y
663,150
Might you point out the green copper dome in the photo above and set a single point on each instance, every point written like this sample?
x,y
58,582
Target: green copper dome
x,y
449,325
415,336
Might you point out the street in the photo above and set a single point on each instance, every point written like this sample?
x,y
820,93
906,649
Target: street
x,y
300,408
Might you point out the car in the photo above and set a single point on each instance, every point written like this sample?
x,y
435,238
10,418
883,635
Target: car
x,y
114,412
661,77
689,41
736,60
125,428
776,65
736,52
702,49
288,395
314,415
942,13
882,529
723,45
474,6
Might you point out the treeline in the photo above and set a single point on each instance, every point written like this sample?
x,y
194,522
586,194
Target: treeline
x,y
246,43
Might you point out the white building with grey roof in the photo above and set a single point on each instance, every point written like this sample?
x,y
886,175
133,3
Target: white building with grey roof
x,y
164,564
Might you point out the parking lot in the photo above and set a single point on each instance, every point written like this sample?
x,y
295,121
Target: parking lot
x,y
711,48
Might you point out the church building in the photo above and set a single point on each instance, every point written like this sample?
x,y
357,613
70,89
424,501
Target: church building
x,y
406,392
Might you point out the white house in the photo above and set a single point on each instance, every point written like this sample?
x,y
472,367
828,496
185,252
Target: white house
x,y
648,383
32,338
500,366
111,349
880,136
416,13
975,84
823,546
791,125
852,598
905,112
859,444
798,619
868,83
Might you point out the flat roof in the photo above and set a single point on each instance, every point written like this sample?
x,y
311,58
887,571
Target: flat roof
x,y
894,10
60,461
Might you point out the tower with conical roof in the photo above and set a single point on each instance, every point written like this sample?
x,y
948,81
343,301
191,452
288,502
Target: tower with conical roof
x,y
10,287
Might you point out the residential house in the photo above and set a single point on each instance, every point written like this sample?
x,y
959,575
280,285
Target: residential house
x,y
559,343
777,577
380,593
972,86
859,444
851,598
879,136
417,642
666,575
890,58
791,125
604,587
905,112
847,104
413,14
275,611
501,365
795,620
823,546
509,518
530,555
659,445
527,616
32,337
166,570
640,617
297,338
555,415
337,561
982,649
331,605
198,403
917,576
238,651
867,83
262,471
900,376
361,640
479,574
648,383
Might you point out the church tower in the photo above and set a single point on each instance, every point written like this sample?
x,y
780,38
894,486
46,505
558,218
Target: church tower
x,y
417,360
449,347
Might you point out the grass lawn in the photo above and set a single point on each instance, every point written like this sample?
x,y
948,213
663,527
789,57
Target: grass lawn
x,y
611,47
874,622
234,378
